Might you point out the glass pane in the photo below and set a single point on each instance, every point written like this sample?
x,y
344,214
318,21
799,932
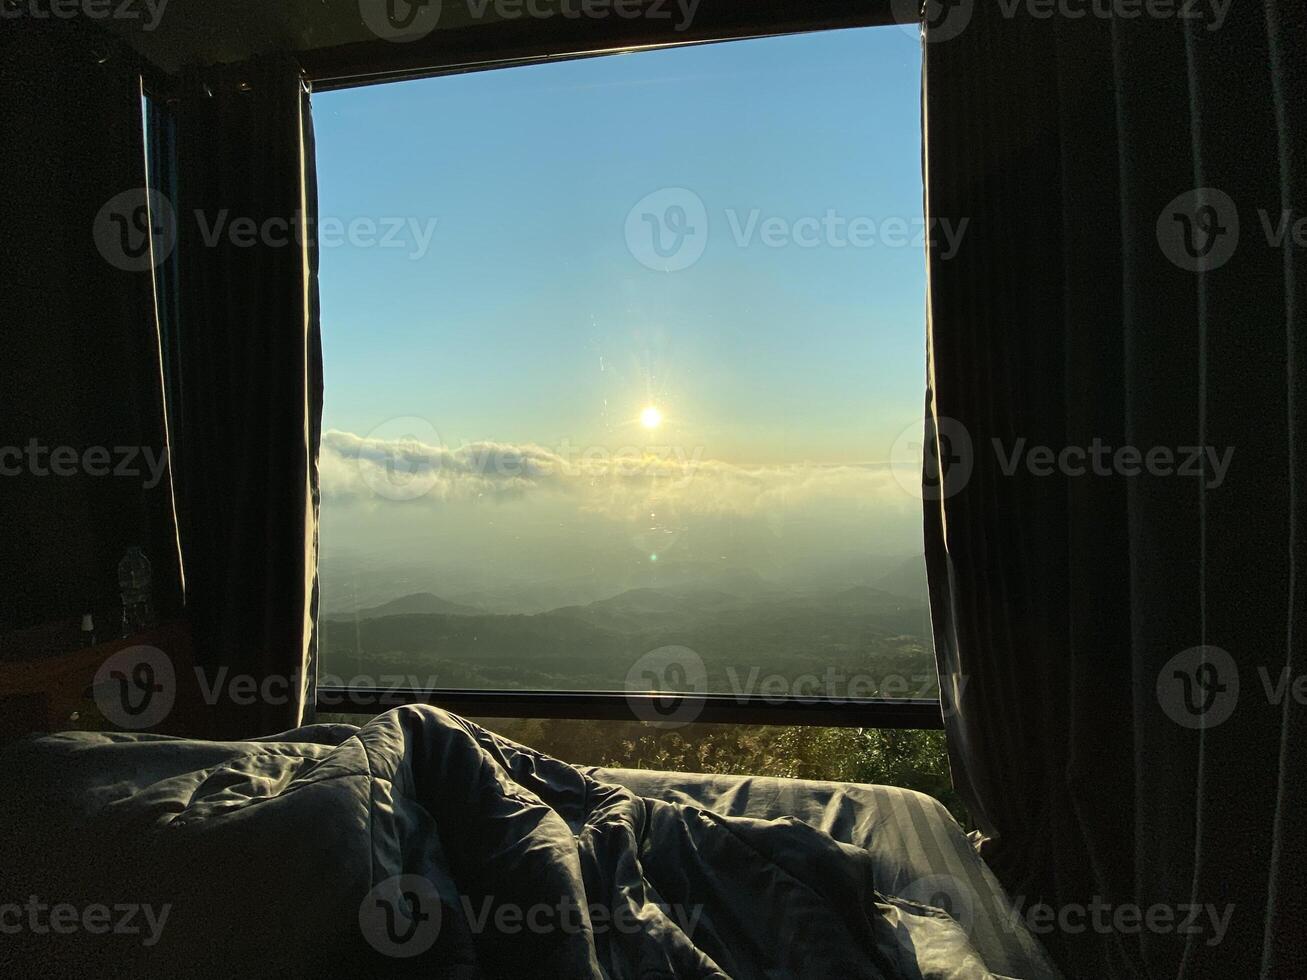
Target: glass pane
x,y
620,356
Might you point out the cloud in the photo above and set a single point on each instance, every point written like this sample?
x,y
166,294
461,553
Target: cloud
x,y
621,483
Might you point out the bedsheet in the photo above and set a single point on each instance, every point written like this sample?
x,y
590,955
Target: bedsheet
x,y
917,848
421,844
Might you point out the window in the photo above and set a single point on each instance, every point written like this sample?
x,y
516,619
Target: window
x,y
621,357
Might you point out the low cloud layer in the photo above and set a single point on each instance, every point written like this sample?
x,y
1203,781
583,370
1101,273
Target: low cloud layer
x,y
617,482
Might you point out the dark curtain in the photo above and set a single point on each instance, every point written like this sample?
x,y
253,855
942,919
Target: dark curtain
x,y
246,385
1077,311
80,367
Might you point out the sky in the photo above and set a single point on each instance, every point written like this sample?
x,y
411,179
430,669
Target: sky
x,y
690,278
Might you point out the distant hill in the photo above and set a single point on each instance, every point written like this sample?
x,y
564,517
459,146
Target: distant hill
x,y
419,603
678,577
592,647
676,614
859,600
637,609
907,579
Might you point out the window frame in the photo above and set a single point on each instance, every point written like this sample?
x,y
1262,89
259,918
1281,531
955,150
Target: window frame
x,y
525,40
812,712
518,43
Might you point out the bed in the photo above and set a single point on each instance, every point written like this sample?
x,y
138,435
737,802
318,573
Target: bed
x,y
423,845
917,848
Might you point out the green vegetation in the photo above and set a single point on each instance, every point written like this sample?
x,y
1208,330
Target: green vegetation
x,y
891,757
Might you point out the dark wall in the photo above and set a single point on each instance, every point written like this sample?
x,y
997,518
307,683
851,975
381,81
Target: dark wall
x,y
80,363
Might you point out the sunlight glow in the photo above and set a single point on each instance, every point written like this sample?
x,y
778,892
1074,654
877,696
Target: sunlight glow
x,y
651,417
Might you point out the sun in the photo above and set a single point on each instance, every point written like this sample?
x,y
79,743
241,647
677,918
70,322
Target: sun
x,y
651,417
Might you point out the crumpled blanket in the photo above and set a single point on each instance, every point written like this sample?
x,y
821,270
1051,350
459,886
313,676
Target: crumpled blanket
x,y
419,844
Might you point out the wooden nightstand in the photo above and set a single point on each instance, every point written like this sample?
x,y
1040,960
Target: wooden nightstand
x,y
53,693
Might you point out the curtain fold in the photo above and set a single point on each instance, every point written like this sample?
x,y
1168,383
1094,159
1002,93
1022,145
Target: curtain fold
x,y
1104,298
1286,918
81,358
248,375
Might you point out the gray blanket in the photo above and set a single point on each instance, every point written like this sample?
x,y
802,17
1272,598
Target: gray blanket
x,y
419,844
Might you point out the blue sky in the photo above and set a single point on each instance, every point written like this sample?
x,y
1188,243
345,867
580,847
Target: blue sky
x,y
484,385
528,320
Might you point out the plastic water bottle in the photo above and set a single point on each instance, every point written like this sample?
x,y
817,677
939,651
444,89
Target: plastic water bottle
x,y
88,630
134,581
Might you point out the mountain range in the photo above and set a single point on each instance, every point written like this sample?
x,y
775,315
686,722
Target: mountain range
x,y
592,646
